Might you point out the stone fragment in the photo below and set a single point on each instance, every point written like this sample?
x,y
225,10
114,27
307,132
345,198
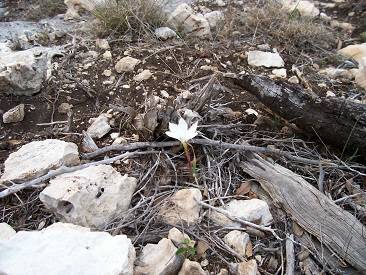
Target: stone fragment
x,y
36,158
99,128
107,72
305,8
74,6
254,210
6,231
266,59
107,55
23,72
66,249
335,73
354,51
183,18
294,80
165,33
178,237
144,75
248,268
126,64
330,94
155,257
238,241
360,75
191,267
15,114
346,27
64,108
182,207
214,17
102,44
89,197
280,73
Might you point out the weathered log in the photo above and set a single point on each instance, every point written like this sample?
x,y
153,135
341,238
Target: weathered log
x,y
336,120
334,227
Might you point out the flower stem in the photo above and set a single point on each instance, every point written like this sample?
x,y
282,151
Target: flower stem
x,y
188,156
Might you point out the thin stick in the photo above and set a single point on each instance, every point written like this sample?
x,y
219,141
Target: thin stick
x,y
209,142
290,255
17,187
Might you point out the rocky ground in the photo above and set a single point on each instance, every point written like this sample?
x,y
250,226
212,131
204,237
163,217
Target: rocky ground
x,y
86,78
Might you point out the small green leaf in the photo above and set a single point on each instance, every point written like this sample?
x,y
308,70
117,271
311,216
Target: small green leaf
x,y
181,251
185,242
191,250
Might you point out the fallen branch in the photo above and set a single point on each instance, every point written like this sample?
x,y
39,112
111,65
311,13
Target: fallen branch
x,y
17,187
209,142
334,227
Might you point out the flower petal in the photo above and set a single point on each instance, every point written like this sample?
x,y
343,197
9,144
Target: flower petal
x,y
191,133
173,131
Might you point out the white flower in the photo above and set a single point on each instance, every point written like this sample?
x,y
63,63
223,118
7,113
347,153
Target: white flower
x,y
181,132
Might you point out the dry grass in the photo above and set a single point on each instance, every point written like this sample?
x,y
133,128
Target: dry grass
x,y
138,16
289,30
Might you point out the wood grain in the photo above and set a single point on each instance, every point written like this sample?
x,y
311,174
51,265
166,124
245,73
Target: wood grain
x,y
313,211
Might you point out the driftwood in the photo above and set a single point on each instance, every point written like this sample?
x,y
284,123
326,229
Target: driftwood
x,y
335,228
336,120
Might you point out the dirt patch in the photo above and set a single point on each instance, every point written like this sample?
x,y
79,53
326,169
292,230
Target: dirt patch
x,y
178,66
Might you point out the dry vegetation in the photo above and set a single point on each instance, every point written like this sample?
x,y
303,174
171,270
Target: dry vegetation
x,y
220,174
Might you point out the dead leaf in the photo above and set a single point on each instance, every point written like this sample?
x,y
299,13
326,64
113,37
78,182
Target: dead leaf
x,y
298,230
253,195
201,248
249,250
244,188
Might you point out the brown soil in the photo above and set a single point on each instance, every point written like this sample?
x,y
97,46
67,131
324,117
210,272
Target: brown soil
x,y
176,66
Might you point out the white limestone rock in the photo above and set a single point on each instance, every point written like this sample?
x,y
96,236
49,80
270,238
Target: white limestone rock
x,y
254,210
66,249
74,6
15,114
266,59
357,52
155,257
238,241
214,17
335,73
102,44
6,231
36,158
305,8
23,72
182,207
184,18
191,267
100,127
360,75
281,73
126,64
165,33
248,268
144,75
90,197
178,237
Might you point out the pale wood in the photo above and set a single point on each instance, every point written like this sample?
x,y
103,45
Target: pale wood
x,y
313,211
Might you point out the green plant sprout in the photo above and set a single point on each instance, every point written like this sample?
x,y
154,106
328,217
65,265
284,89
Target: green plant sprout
x,y
186,248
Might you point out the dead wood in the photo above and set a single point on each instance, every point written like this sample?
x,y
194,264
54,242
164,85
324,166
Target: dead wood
x,y
336,120
313,211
